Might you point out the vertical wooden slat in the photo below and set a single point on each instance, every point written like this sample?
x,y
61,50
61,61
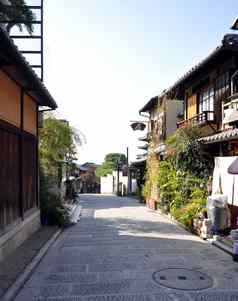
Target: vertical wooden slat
x,y
9,179
21,180
29,172
37,157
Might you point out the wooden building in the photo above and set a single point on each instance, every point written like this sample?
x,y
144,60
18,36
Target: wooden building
x,y
209,91
21,95
210,94
163,114
89,182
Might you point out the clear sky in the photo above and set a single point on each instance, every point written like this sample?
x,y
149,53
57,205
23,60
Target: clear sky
x,y
106,58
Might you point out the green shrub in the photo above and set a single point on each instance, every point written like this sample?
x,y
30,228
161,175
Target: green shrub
x,y
185,210
150,188
54,213
181,178
167,184
52,210
187,153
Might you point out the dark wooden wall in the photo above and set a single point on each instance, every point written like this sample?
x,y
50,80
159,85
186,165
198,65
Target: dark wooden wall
x,y
18,174
9,177
29,159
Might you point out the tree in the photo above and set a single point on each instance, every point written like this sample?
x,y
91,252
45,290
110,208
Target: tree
x,y
58,143
110,163
18,14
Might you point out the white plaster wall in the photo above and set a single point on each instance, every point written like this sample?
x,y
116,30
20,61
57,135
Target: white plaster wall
x,y
107,184
173,107
222,179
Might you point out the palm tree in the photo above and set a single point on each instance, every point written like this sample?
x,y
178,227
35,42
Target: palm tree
x,y
18,14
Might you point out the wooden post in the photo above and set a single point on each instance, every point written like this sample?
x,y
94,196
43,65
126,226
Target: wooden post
x,y
37,159
21,180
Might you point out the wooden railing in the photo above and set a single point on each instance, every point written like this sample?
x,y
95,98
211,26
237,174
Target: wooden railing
x,y
202,118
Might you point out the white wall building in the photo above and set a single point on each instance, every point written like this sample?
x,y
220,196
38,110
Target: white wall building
x,y
109,184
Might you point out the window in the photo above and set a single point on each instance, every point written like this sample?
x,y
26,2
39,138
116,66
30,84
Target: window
x,y
222,86
234,83
206,103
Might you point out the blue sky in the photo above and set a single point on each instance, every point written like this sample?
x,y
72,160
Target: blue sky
x,y
105,59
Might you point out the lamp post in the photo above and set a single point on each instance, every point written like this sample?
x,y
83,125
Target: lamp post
x,y
118,175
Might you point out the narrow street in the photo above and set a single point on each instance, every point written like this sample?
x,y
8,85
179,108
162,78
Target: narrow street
x,y
116,253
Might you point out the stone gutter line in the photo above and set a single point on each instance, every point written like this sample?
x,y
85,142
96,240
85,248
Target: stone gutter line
x,y
13,290
218,244
222,247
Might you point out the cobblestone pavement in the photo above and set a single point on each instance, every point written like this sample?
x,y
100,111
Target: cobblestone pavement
x,y
122,251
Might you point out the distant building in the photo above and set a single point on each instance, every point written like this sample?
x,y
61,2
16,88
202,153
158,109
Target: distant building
x,y
88,181
117,183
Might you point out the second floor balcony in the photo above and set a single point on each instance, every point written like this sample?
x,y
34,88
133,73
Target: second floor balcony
x,y
198,119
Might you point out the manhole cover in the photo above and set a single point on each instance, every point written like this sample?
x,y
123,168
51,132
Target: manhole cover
x,y
182,279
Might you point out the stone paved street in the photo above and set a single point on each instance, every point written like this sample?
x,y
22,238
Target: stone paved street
x,y
116,253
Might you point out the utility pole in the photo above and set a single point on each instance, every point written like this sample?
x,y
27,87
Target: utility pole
x,y
128,172
118,176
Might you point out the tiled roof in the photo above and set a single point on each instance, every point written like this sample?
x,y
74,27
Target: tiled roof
x,y
150,104
195,68
223,136
230,41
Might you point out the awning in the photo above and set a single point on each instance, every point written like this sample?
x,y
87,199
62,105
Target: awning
x,y
223,136
143,147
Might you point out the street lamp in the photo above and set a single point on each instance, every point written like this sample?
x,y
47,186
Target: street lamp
x,y
138,125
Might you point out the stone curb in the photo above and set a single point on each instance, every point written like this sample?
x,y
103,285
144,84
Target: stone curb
x,y
21,280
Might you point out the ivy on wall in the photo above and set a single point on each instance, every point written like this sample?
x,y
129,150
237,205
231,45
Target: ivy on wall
x,y
179,182
150,189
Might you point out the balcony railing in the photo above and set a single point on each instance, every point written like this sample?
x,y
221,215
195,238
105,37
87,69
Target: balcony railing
x,y
199,119
231,102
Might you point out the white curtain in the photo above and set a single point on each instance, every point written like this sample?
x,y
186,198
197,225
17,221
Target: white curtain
x,y
223,181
